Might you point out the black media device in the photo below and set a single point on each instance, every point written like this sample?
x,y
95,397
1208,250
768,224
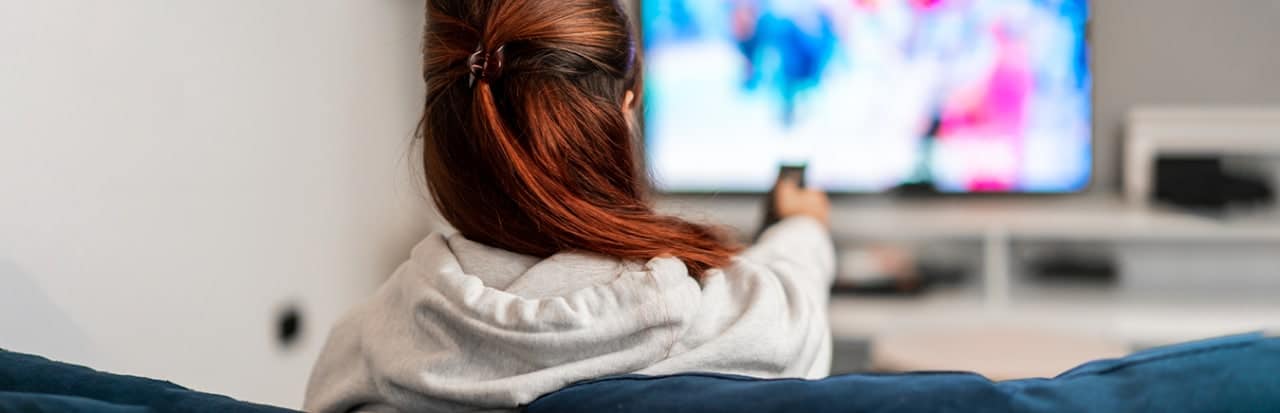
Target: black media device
x,y
794,172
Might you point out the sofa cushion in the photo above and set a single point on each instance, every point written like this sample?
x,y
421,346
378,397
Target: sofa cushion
x,y
1230,374
35,384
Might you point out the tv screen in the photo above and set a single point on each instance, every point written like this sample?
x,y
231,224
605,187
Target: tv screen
x,y
958,96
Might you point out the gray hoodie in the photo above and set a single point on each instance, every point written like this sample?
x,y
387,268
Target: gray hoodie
x,y
465,327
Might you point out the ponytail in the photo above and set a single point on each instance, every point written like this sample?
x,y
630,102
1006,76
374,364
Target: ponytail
x,y
527,147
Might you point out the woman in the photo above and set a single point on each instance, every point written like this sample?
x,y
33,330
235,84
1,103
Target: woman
x,y
560,271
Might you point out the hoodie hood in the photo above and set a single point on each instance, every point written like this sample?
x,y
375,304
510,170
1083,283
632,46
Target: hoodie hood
x,y
461,326
462,322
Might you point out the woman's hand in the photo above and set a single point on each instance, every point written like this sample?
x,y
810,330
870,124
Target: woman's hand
x,y
790,200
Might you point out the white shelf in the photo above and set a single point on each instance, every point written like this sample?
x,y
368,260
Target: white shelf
x,y
1070,218
998,222
1209,130
1126,316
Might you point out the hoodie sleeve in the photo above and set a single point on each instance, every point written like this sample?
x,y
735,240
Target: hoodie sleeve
x,y
799,249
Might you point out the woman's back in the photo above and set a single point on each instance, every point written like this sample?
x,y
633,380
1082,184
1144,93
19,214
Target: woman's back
x,y
462,326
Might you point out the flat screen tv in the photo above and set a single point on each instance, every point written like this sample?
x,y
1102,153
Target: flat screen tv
x,y
957,96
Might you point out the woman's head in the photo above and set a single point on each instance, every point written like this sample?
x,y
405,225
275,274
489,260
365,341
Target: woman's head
x,y
526,138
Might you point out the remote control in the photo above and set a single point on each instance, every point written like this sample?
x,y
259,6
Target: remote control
x,y
795,172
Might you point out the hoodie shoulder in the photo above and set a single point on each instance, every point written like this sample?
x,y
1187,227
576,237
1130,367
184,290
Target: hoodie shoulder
x,y
437,336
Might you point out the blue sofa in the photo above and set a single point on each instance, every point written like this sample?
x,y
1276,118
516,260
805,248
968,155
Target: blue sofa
x,y
32,384
1230,374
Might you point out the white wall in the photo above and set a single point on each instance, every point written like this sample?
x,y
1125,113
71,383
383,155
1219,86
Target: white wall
x,y
172,172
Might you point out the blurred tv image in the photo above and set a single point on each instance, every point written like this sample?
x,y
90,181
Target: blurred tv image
x,y
957,96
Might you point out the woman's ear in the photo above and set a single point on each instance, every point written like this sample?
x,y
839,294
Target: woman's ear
x,y
629,101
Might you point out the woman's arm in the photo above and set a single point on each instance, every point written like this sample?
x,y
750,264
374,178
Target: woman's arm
x,y
799,246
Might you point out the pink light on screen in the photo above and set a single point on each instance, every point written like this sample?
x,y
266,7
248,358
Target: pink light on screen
x,y
926,4
994,111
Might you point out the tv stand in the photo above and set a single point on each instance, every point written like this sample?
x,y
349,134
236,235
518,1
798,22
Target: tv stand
x,y
1000,223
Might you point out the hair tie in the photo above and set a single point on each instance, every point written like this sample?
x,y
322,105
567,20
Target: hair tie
x,y
485,65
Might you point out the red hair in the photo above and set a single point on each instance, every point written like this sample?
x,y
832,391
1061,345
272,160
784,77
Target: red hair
x,y
539,158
